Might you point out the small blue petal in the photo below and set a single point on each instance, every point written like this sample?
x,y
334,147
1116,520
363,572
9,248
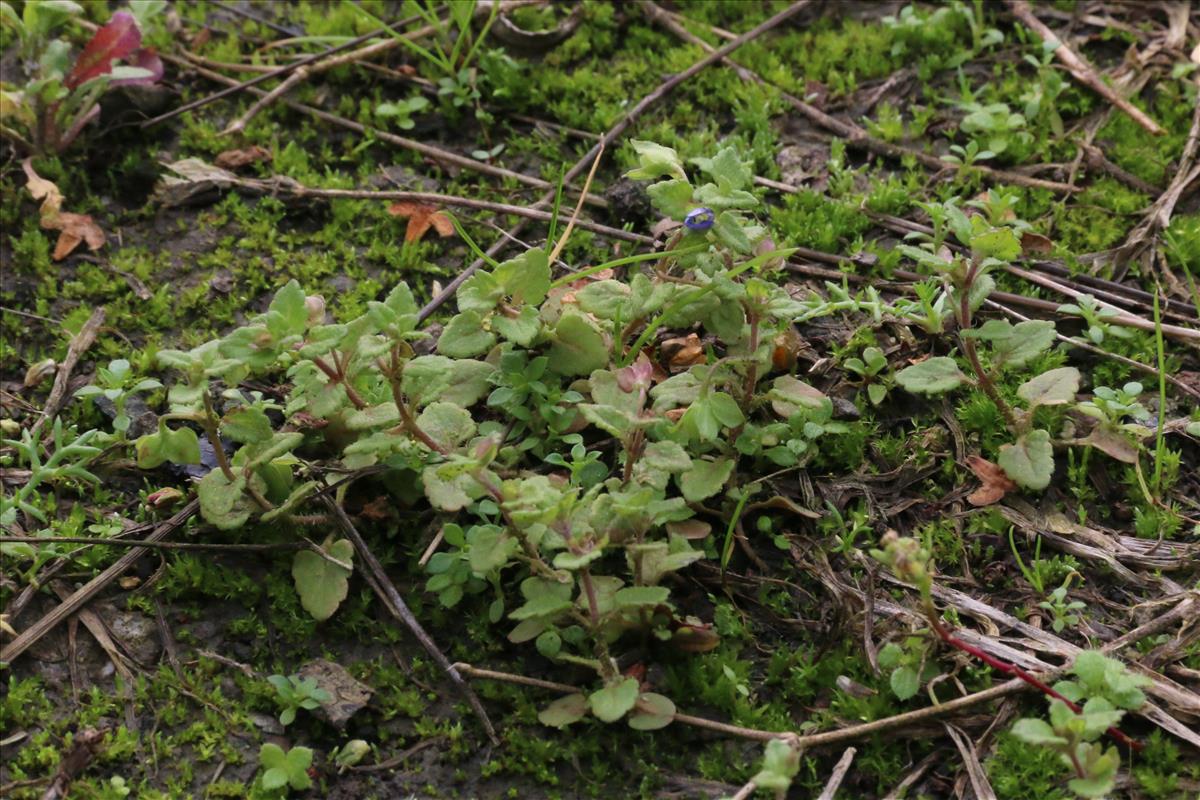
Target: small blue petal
x,y
699,219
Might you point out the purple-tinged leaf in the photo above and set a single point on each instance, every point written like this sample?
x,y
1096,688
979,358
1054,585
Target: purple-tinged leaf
x,y
118,39
147,59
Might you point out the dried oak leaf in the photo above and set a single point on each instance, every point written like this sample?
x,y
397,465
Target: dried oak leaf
x,y
73,228
420,219
995,483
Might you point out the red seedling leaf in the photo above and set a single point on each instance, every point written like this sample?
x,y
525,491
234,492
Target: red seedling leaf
x,y
234,159
421,219
164,498
995,483
118,39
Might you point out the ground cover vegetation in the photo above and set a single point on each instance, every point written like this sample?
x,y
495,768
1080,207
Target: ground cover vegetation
x,y
513,399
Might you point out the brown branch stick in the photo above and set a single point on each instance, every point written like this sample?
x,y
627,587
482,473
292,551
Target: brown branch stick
x,y
386,591
1080,69
427,150
79,345
89,590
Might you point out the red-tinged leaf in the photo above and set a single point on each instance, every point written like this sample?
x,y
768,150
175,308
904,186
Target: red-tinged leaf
x,y
420,219
147,59
233,159
118,39
995,484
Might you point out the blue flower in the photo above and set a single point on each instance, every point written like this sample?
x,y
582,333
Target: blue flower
x,y
699,219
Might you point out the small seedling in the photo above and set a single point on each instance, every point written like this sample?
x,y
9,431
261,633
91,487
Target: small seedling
x,y
294,693
401,112
1097,319
1062,609
908,664
116,382
781,762
285,771
996,126
869,368
1107,689
61,97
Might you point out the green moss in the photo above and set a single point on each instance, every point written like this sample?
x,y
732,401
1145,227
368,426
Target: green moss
x,y
1019,771
1099,218
1145,155
810,219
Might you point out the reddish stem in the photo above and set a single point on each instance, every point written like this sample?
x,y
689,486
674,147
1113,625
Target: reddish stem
x,y
1012,669
337,376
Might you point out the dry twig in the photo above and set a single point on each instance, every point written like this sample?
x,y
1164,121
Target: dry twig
x,y
839,773
1080,69
386,591
429,151
79,345
76,601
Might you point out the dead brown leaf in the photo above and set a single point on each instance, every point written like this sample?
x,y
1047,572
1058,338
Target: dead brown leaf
x,y
420,219
42,189
73,229
995,483
1113,443
1034,244
235,159
682,352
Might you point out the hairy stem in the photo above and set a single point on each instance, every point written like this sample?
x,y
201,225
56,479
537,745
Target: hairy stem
x,y
968,344
406,418
209,423
337,376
